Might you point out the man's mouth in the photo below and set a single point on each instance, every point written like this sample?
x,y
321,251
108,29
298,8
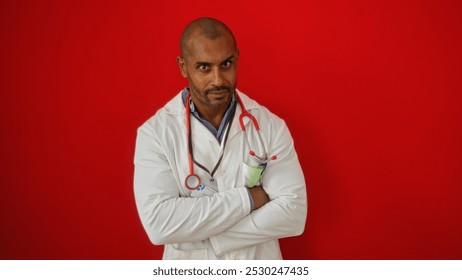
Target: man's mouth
x,y
218,90
218,93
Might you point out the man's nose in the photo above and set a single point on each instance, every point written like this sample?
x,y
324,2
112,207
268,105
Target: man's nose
x,y
217,77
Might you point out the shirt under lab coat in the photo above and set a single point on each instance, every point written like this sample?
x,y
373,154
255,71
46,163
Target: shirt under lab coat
x,y
217,222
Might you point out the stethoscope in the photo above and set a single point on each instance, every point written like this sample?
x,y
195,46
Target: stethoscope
x,y
193,181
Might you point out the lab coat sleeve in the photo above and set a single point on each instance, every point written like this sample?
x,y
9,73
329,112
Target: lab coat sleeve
x,y
284,215
169,218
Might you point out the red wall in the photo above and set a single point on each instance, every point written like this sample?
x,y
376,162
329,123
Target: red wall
x,y
371,91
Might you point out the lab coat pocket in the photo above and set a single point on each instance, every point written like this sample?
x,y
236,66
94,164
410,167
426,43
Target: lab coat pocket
x,y
251,175
172,253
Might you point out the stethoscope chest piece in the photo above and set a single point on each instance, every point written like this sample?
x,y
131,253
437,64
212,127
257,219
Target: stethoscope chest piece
x,y
192,182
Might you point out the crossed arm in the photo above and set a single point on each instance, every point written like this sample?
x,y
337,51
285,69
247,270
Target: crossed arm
x,y
279,206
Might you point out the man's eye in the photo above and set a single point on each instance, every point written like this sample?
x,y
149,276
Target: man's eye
x,y
226,64
204,67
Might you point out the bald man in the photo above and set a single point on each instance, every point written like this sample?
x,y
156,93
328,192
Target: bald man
x,y
216,174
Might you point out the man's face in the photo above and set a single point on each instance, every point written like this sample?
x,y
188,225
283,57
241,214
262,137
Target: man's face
x,y
211,69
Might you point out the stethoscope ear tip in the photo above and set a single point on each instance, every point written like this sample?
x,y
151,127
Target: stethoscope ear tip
x,y
262,160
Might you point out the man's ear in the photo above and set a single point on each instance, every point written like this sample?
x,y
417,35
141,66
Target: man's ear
x,y
182,66
237,56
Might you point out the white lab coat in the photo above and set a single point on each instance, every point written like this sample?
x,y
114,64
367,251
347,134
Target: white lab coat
x,y
216,225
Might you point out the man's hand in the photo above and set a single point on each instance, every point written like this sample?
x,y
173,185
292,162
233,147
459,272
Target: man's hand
x,y
259,197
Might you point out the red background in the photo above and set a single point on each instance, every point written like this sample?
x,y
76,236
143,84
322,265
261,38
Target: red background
x,y
371,91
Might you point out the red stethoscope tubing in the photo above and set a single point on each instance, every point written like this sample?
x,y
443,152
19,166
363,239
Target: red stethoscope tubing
x,y
191,175
244,114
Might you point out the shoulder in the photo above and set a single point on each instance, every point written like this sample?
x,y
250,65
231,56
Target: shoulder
x,y
273,129
166,116
264,116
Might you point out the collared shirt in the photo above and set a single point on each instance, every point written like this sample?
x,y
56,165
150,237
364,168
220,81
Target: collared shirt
x,y
218,133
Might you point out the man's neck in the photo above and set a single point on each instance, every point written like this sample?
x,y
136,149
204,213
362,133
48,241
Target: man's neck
x,y
213,116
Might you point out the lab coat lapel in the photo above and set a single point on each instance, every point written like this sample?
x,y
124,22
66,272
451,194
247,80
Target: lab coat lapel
x,y
235,128
201,133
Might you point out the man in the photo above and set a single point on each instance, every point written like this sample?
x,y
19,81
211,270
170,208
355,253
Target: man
x,y
243,198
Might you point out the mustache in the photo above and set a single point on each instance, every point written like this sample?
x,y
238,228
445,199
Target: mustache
x,y
218,88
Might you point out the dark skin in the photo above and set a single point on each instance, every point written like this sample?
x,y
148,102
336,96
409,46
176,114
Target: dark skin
x,y
209,62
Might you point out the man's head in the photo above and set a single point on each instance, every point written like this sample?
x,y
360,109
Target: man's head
x,y
208,60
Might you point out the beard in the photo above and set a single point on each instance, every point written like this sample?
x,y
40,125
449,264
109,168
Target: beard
x,y
217,97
